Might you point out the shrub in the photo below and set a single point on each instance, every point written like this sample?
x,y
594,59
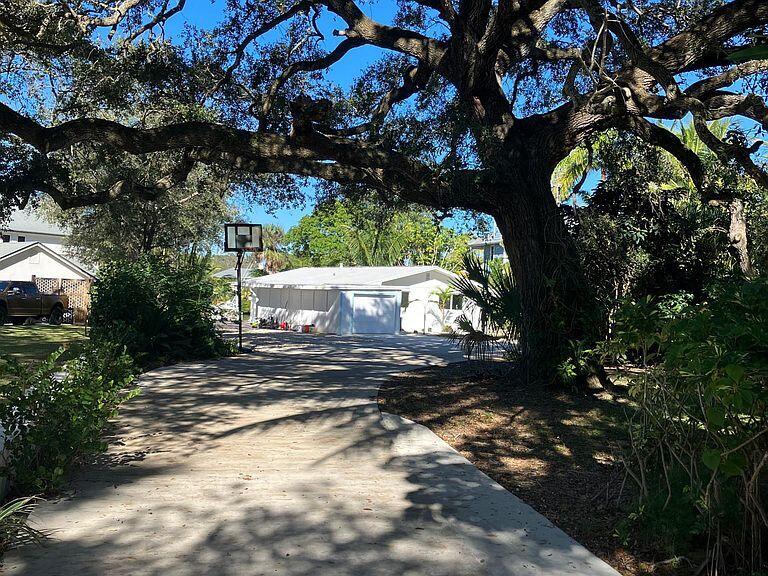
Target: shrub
x,y
700,435
160,310
53,414
490,289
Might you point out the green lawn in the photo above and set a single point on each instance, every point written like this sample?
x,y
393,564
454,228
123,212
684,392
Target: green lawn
x,y
29,343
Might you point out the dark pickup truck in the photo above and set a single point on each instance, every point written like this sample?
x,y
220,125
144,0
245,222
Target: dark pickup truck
x,y
22,300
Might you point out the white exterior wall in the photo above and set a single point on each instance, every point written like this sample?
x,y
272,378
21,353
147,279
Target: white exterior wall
x,y
331,309
423,313
38,264
297,307
52,241
419,278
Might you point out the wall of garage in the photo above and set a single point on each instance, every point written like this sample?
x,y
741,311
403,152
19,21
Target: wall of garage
x,y
375,310
35,262
333,310
297,307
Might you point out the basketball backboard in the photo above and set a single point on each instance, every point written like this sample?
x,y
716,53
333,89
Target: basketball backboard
x,y
241,237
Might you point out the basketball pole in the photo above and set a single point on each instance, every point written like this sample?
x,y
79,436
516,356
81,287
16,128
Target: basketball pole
x,y
240,300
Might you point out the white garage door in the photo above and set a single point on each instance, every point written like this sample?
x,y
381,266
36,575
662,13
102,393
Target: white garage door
x,y
374,314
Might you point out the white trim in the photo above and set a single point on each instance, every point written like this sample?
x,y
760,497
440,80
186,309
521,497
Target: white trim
x,y
63,260
398,272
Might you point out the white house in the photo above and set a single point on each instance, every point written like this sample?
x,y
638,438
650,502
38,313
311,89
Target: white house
x,y
53,272
27,226
489,248
35,260
356,300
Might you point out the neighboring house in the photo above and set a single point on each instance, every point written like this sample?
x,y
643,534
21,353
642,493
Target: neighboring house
x,y
34,250
26,226
53,272
227,274
356,300
489,248
34,260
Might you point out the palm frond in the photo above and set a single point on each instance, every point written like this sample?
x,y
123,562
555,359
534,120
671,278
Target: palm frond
x,y
491,290
473,343
15,530
569,172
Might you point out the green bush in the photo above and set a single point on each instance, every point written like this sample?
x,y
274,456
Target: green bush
x,y
700,435
490,289
159,309
53,413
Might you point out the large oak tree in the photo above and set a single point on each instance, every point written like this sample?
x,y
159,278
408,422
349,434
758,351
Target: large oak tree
x,y
471,106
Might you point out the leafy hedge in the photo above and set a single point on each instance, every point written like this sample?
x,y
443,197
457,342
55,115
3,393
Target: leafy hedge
x,y
700,436
159,309
53,413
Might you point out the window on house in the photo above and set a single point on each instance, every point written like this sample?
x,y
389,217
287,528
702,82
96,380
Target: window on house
x,y
6,238
457,302
22,238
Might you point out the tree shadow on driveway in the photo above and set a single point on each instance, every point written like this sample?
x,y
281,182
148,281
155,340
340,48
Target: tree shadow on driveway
x,y
278,463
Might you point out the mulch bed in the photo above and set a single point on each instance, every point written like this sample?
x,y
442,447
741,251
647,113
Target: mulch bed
x,y
555,449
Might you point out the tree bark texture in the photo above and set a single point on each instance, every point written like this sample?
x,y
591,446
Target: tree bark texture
x,y
737,236
558,305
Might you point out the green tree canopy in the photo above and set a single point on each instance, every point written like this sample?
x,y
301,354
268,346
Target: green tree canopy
x,y
187,218
469,104
367,234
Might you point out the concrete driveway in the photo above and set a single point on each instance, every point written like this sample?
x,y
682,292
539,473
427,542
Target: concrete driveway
x,y
279,462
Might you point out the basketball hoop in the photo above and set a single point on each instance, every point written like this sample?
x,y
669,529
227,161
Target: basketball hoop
x,y
242,238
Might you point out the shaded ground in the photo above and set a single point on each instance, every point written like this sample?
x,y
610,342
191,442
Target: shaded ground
x,y
555,450
280,462
36,342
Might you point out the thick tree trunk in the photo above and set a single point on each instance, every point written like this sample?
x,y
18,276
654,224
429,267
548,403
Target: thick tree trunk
x,y
737,236
558,305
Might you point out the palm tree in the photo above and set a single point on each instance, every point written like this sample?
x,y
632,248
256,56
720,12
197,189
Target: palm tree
x,y
443,296
492,291
569,176
274,256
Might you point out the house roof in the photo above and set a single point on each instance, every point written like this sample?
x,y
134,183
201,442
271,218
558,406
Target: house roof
x,y
31,222
487,241
226,273
352,276
231,273
8,249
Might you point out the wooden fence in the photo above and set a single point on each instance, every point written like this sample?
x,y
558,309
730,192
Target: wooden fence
x,y
78,292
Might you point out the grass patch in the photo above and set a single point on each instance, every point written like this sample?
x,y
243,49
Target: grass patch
x,y
38,341
557,450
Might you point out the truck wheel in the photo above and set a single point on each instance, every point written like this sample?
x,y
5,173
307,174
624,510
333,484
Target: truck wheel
x,y
56,317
